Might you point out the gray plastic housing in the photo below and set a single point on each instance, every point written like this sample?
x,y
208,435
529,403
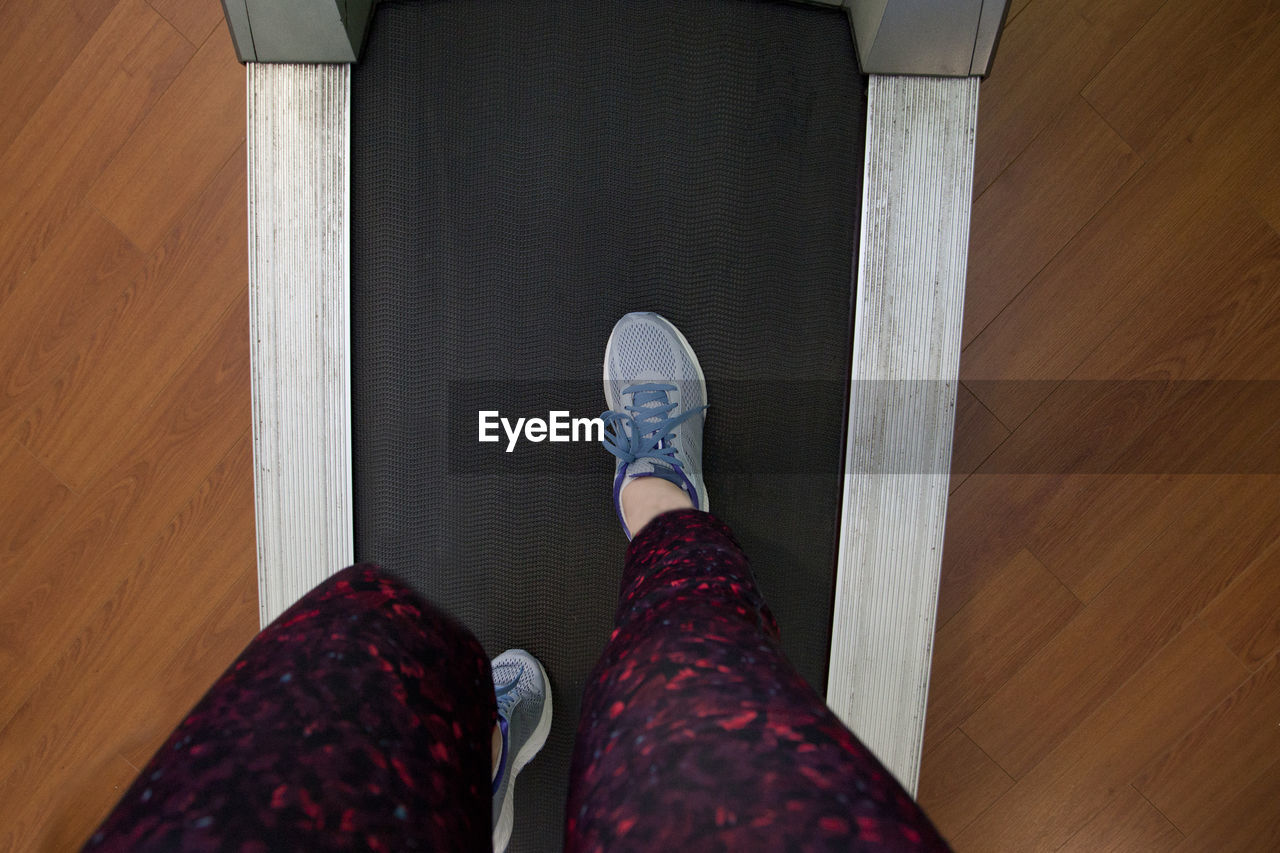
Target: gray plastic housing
x,y
939,38
311,31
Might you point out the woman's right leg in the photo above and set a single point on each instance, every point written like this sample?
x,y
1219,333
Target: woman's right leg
x,y
697,733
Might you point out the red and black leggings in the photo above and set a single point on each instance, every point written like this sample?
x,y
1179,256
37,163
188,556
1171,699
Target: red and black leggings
x,y
362,719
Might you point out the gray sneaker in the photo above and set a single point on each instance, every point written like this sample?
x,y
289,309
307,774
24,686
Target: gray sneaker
x,y
524,717
657,398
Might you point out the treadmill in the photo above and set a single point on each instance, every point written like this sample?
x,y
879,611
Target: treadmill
x,y
451,203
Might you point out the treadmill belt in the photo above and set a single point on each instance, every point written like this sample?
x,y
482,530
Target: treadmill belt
x,y
522,175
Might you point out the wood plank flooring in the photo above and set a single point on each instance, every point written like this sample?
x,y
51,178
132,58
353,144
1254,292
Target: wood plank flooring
x,y
1107,666
1139,712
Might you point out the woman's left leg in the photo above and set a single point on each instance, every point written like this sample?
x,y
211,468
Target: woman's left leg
x,y
362,718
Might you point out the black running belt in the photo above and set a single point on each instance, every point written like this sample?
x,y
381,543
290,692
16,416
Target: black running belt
x,y
522,175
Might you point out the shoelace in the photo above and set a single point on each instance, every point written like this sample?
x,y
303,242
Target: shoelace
x,y
652,427
507,696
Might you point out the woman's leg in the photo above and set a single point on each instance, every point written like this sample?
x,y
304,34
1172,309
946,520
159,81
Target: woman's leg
x,y
698,734
362,718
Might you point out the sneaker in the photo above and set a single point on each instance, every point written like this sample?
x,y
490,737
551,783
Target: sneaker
x,y
657,398
524,718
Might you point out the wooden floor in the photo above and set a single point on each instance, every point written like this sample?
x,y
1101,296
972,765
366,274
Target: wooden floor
x,y
1107,668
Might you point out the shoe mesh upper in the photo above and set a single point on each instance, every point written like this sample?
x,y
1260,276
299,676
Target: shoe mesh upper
x,y
643,348
521,702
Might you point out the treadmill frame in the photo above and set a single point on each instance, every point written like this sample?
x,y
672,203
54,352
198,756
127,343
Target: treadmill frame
x,y
917,192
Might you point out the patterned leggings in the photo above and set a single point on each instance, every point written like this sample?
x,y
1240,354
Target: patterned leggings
x,y
362,719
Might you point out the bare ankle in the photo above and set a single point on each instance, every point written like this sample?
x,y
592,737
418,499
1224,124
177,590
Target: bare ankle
x,y
645,498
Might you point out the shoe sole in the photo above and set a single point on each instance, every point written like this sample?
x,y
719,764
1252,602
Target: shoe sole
x,y
506,820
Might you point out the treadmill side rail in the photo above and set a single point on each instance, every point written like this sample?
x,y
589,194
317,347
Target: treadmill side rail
x,y
917,189
300,337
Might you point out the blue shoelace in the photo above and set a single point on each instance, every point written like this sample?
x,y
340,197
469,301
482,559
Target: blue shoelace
x,y
652,429
507,698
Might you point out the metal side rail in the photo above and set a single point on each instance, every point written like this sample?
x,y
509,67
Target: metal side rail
x,y
300,326
917,190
